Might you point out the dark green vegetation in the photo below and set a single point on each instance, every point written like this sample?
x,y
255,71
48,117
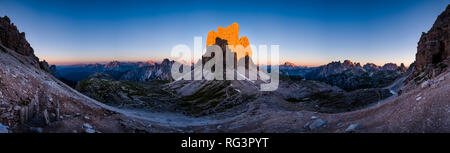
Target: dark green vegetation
x,y
320,97
126,94
214,96
349,81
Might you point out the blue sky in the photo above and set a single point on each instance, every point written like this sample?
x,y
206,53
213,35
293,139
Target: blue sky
x,y
308,32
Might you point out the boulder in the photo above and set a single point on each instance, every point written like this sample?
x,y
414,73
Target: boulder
x,y
44,66
3,128
354,128
316,124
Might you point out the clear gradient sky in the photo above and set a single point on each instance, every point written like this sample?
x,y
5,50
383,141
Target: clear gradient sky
x,y
309,32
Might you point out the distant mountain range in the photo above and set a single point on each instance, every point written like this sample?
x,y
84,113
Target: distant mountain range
x,y
351,76
132,71
346,75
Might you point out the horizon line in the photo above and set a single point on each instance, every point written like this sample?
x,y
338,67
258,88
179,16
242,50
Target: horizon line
x,y
160,60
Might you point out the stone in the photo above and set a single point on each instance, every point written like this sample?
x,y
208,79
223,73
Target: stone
x,y
418,98
306,125
16,108
318,123
4,115
67,116
36,130
90,131
31,110
46,117
22,115
3,128
441,78
89,128
354,128
425,84
57,111
35,108
87,125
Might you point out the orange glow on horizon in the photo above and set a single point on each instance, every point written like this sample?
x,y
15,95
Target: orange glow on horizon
x,y
298,63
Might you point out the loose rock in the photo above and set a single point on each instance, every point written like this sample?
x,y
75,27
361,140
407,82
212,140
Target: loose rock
x,y
425,84
87,125
418,98
36,130
90,131
16,108
317,124
354,128
46,118
3,129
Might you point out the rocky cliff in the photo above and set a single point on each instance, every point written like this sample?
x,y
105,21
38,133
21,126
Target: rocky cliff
x,y
434,46
433,53
11,38
231,35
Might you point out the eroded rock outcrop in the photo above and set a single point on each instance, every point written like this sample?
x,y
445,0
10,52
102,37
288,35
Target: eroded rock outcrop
x,y
434,46
13,39
231,34
44,66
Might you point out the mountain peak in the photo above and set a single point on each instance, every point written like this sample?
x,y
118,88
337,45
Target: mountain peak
x,y
434,46
151,62
289,64
11,38
348,63
231,34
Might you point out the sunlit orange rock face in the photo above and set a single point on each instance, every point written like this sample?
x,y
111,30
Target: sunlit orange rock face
x,y
241,46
